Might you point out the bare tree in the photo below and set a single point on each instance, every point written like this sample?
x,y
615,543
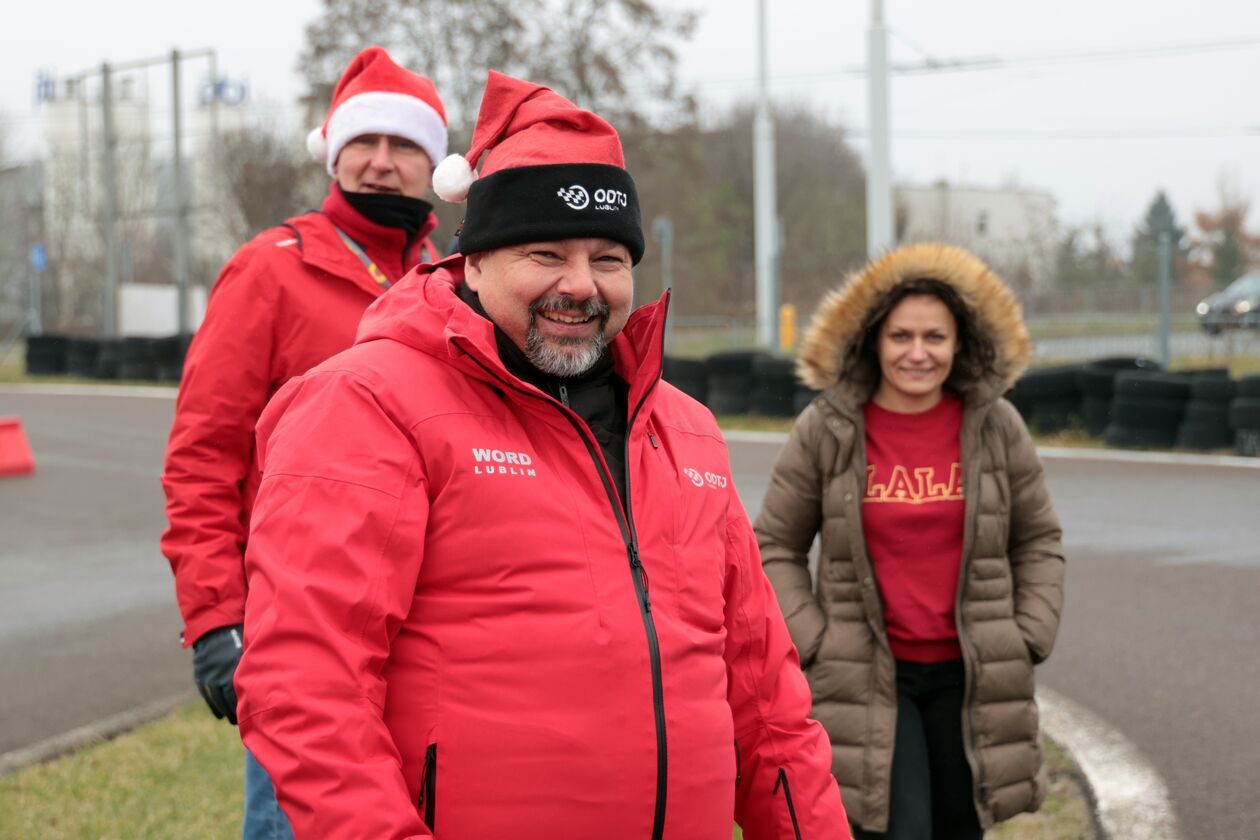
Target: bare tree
x,y
615,56
703,180
264,179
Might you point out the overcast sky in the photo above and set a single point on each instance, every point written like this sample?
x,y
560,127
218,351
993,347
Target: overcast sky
x,y
1101,134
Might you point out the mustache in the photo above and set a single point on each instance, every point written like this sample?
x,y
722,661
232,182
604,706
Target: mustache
x,y
589,308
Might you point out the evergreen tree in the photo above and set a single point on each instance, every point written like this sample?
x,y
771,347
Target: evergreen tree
x,y
1160,217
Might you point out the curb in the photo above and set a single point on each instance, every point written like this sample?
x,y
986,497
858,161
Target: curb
x,y
93,733
1129,798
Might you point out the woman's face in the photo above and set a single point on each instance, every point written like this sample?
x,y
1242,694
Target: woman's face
x,y
917,343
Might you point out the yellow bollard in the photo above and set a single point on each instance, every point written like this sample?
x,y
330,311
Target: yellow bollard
x,y
787,328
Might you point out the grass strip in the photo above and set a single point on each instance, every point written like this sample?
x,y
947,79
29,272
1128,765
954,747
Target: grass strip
x,y
181,776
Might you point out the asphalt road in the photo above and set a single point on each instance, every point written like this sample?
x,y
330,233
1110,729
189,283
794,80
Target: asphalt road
x,y
88,624
1160,635
1161,629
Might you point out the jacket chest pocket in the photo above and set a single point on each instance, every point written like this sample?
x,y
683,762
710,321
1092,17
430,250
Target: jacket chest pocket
x,y
688,495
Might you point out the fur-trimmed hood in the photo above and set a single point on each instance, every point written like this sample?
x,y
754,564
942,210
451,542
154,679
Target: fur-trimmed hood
x,y
837,323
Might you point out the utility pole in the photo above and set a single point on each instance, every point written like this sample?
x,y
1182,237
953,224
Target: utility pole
x,y
879,204
1165,288
663,233
181,239
764,216
109,210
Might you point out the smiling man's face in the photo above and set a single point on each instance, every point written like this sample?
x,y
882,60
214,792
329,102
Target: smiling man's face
x,y
382,163
560,302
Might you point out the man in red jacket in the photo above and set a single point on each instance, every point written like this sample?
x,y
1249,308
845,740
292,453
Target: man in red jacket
x,y
287,300
501,584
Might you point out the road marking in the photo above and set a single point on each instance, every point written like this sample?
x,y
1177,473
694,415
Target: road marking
x,y
92,733
1132,800
1064,453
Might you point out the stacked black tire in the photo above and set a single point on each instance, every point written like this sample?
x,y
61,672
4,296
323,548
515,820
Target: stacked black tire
x,y
1206,423
132,358
691,376
1244,417
46,354
1096,382
1049,398
774,387
81,356
730,381
1147,409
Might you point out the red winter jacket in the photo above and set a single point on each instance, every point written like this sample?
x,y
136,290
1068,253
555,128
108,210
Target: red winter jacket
x,y
454,628
286,301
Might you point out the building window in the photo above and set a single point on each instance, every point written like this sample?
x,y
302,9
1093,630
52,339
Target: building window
x,y
982,222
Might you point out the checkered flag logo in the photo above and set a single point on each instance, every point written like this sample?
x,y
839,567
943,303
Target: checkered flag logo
x,y
575,196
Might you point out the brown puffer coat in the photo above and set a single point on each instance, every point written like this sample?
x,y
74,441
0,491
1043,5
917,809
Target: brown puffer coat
x,y
1010,590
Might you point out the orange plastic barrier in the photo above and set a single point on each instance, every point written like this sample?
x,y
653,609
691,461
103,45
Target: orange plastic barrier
x,y
16,457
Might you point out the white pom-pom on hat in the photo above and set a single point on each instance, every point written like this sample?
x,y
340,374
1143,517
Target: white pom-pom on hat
x,y
452,178
317,144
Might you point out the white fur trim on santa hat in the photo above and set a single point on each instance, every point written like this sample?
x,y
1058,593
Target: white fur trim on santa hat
x,y
382,112
452,179
317,145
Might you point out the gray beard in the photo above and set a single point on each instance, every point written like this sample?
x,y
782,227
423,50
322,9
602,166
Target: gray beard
x,y
566,357
563,357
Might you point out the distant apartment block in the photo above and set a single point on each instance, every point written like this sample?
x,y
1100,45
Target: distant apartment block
x,y
1013,229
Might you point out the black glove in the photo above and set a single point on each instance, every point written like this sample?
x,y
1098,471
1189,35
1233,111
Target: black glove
x,y
215,657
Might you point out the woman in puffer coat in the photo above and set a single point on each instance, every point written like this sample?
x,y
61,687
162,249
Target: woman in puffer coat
x,y
940,578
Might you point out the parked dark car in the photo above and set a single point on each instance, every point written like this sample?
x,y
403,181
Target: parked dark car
x,y
1237,306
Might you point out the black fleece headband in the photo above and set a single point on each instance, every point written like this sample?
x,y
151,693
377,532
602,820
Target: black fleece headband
x,y
551,202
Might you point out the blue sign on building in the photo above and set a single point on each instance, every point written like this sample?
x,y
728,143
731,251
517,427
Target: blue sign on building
x,y
38,257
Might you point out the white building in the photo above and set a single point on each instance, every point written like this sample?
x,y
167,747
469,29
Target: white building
x,y
1012,229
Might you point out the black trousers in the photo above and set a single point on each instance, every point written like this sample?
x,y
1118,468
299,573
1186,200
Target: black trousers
x,y
932,797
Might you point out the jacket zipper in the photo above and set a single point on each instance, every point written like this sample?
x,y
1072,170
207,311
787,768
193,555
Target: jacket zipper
x,y
782,781
658,691
638,574
428,786
970,655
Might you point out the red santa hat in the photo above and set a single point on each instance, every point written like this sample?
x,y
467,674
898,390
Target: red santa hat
x,y
376,96
551,171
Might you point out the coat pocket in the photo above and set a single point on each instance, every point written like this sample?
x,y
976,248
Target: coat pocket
x,y
782,782
427,802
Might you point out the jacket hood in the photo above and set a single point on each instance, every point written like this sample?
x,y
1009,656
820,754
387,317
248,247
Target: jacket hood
x,y
837,323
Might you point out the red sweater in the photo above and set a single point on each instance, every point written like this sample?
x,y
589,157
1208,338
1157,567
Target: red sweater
x,y
912,519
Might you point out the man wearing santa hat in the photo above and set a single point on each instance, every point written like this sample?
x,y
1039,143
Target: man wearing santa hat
x,y
287,300
501,584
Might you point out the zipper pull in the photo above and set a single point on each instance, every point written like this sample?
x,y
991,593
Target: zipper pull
x,y
652,440
564,395
637,565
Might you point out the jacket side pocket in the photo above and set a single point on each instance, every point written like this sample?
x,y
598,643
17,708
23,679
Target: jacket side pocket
x,y
782,782
427,804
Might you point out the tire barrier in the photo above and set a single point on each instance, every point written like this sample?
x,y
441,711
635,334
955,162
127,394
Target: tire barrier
x,y
691,376
135,359
168,357
1147,409
108,357
81,356
1049,398
46,355
1206,423
803,396
773,387
140,358
730,381
1096,382
1244,417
